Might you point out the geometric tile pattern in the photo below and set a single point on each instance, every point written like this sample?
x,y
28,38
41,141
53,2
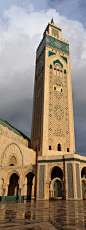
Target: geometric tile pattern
x,y
57,44
70,180
41,181
78,181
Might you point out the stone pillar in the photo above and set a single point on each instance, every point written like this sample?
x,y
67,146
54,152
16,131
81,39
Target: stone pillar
x,y
51,193
25,188
33,189
74,180
6,192
66,182
47,189
81,183
1,185
20,193
37,184
46,182
3,197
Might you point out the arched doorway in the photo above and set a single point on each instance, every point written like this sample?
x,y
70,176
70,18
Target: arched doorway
x,y
30,177
83,189
83,173
83,176
13,189
56,183
57,189
56,172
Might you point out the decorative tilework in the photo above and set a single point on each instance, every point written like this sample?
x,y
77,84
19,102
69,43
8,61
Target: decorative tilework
x,y
58,132
57,61
50,66
53,42
78,181
55,32
64,58
64,70
41,181
57,44
55,27
70,180
59,112
51,53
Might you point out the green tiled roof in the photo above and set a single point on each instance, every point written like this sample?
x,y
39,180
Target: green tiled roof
x,y
11,128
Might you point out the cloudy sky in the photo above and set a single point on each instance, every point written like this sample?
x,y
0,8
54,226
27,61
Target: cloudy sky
x,y
22,23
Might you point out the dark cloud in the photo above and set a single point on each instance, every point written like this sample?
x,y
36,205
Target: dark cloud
x,y
20,34
75,10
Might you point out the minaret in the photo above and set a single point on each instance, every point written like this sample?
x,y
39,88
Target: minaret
x,y
52,121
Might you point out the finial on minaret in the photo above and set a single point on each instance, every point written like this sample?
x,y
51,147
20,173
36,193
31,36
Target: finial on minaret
x,y
52,21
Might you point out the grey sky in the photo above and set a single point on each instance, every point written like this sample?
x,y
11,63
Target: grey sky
x,y
21,27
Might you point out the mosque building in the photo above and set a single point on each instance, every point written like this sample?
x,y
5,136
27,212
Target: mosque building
x,y
45,167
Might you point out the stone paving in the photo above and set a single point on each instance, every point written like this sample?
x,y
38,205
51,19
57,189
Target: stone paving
x,y
43,215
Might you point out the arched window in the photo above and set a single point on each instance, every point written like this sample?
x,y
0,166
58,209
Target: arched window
x,y
59,147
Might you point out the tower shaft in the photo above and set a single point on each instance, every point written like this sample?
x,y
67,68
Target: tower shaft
x,y
52,122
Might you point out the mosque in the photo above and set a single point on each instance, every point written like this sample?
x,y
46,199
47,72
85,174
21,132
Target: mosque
x,y
45,167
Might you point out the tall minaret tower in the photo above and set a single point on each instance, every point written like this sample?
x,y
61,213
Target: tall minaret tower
x,y
52,121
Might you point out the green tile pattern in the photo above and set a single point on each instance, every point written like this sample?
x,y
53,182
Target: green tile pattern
x,y
52,42
11,128
58,132
57,44
50,53
58,112
57,61
55,27
64,58
50,66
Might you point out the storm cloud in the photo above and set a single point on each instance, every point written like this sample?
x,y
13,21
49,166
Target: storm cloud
x,y
21,30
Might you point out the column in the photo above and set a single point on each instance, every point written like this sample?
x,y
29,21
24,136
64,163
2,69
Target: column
x,y
20,193
74,180
66,182
3,197
33,189
25,188
1,190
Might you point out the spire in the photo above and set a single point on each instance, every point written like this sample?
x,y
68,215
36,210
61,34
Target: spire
x,y
52,21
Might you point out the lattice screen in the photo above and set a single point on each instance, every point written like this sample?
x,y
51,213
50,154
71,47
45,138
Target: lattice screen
x,y
41,181
78,181
70,180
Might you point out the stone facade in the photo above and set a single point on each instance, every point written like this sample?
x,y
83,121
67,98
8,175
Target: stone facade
x,y
48,167
15,158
